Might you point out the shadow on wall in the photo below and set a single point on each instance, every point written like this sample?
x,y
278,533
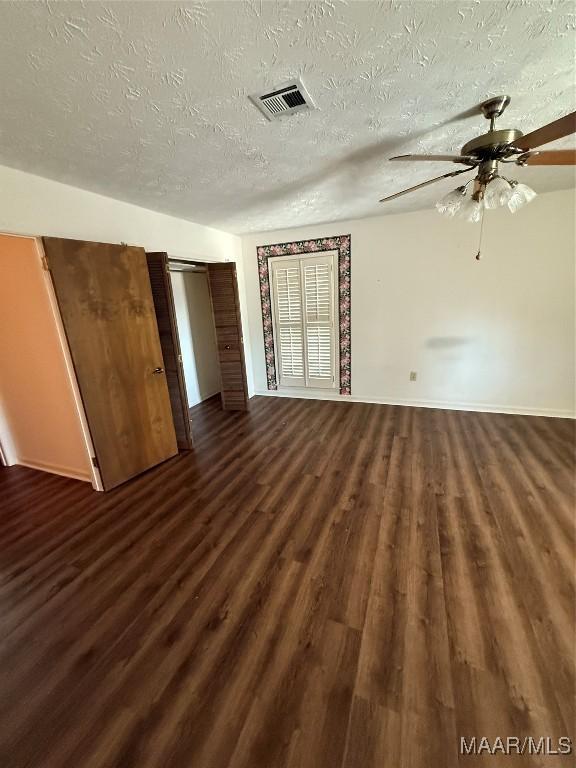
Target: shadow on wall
x,y
446,342
448,347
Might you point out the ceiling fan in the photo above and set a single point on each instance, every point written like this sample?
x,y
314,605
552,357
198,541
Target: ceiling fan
x,y
483,155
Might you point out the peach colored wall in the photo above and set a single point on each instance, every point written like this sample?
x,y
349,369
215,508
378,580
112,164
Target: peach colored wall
x,y
37,407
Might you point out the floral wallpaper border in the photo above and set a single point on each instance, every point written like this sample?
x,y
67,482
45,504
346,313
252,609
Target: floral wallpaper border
x,y
341,243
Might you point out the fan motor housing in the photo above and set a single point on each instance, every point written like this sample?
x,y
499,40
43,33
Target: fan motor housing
x,y
492,144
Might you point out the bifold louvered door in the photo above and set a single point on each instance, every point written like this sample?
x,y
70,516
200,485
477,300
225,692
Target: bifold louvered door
x,y
304,315
228,324
168,330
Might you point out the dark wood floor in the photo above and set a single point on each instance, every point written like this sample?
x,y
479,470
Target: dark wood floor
x,y
322,585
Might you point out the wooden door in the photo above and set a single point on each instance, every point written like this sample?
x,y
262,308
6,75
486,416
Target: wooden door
x,y
226,308
166,318
105,301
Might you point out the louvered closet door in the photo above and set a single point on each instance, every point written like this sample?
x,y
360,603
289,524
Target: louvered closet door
x,y
289,322
319,314
168,330
226,309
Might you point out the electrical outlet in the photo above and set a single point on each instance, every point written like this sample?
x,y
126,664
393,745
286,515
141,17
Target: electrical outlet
x,y
412,375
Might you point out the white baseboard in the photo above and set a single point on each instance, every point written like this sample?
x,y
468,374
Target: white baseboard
x,y
441,404
55,469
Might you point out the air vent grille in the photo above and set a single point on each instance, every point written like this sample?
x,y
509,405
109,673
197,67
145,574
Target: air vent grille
x,y
287,99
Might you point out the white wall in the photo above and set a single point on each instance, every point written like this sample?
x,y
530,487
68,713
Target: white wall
x,y
497,334
32,205
197,335
39,421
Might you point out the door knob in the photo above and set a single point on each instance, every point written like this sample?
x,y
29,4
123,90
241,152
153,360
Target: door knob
x,y
226,346
158,370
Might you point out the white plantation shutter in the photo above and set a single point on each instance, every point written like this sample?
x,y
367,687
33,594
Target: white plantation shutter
x,y
304,319
291,353
288,292
318,291
319,320
319,344
287,287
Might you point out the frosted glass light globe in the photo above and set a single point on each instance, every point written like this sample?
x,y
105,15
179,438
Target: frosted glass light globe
x,y
521,194
470,210
451,203
498,192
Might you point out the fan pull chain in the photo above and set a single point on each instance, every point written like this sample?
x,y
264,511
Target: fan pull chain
x,y
478,255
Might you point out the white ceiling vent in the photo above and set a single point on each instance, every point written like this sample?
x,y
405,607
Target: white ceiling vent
x,y
285,100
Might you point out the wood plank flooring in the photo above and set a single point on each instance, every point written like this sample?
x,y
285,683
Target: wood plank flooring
x,y
317,585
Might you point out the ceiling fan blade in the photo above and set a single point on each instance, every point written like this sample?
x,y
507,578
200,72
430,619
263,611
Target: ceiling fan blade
x,y
552,157
425,184
467,159
556,130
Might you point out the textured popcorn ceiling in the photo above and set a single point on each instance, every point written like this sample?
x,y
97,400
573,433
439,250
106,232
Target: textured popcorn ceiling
x,y
147,101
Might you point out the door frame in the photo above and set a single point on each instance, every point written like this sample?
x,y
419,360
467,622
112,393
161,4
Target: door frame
x,y
96,480
97,483
289,388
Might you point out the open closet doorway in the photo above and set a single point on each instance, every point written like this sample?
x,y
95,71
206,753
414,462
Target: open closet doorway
x,y
198,314
196,331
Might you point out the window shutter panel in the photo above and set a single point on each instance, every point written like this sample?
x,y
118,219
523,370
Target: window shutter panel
x,y
318,292
287,287
291,352
318,281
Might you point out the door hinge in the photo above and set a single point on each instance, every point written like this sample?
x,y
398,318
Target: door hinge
x,y
179,358
95,463
45,266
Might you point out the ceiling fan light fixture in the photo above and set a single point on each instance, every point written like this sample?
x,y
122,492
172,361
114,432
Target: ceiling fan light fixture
x,y
470,210
498,192
520,195
451,203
